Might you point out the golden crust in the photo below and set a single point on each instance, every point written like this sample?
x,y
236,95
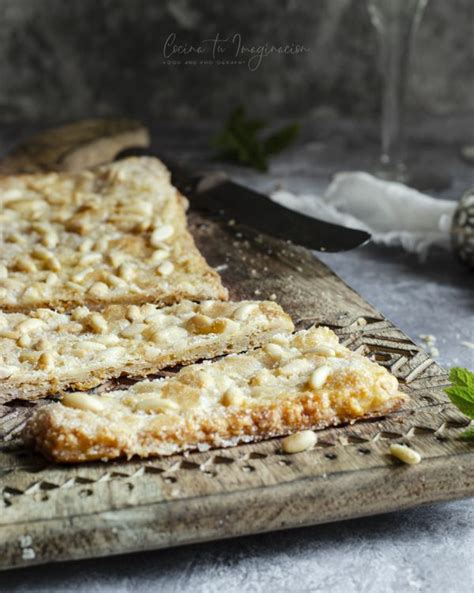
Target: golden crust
x,y
293,383
115,234
85,348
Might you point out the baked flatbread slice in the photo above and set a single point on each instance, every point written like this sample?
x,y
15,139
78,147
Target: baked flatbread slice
x,y
294,382
46,351
115,234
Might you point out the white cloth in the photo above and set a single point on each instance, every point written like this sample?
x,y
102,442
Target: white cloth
x,y
393,213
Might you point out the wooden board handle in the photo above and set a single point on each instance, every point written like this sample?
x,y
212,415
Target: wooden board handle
x,y
74,146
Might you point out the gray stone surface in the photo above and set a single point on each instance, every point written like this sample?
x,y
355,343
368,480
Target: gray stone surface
x,y
62,60
424,549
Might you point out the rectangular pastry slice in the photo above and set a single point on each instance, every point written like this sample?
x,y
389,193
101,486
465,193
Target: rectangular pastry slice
x,y
46,351
294,382
115,234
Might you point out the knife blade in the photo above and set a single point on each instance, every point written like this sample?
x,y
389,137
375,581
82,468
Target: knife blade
x,y
218,196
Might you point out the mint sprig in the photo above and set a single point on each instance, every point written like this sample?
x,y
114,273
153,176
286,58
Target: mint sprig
x,y
461,393
242,140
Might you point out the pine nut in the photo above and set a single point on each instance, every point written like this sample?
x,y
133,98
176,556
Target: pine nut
x,y
50,239
79,224
44,314
147,387
156,404
224,326
116,259
31,294
200,324
133,313
324,351
116,282
86,245
52,278
30,325
101,245
15,238
112,355
166,268
53,264
90,259
244,311
28,356
97,323
298,442
126,271
319,376
161,234
74,286
232,397
158,256
3,272
91,346
133,330
141,207
275,350
9,334
24,264
42,344
295,367
171,334
41,253
24,341
82,275
405,454
79,313
7,371
46,361
387,384
83,401
99,290
148,309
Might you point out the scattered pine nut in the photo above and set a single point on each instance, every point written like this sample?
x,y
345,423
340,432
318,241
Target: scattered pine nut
x,y
405,454
298,442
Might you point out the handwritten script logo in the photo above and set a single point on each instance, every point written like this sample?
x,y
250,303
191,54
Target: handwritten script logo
x,y
224,50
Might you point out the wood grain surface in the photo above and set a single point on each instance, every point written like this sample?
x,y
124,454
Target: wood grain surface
x,y
50,513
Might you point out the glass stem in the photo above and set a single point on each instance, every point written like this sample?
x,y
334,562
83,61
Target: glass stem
x,y
396,25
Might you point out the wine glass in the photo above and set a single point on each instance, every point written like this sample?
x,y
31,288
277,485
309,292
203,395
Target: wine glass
x,y
396,22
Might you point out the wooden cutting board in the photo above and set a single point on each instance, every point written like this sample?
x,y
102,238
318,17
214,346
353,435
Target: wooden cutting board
x,y
50,513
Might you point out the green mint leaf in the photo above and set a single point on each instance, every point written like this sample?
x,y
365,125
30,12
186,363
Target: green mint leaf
x,y
463,392
466,406
281,139
467,434
239,140
462,377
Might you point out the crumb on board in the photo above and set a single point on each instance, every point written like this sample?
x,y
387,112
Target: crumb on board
x,y
430,342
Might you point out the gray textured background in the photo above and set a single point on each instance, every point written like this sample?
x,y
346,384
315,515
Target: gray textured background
x,y
65,59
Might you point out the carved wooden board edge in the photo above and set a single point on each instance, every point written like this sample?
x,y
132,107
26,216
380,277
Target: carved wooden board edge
x,y
251,511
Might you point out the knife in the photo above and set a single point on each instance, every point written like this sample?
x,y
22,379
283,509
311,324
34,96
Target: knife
x,y
216,195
